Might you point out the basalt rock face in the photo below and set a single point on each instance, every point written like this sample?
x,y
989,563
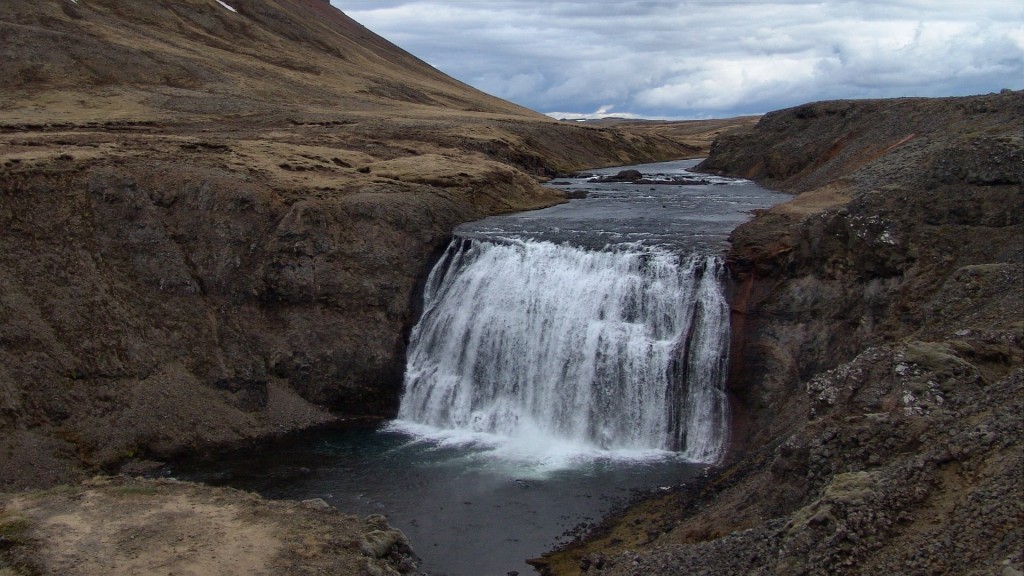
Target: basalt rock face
x,y
899,203
214,223
877,365
909,141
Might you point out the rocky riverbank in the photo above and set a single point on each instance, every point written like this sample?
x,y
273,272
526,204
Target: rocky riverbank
x,y
877,364
122,526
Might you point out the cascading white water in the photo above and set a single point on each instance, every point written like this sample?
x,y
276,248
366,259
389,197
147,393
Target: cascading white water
x,y
619,350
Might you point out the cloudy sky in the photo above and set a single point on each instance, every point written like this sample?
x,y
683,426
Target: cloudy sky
x,y
701,59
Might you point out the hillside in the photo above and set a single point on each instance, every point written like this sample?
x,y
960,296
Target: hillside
x,y
215,222
108,59
878,355
699,134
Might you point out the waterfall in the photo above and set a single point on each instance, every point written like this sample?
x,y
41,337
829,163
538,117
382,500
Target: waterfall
x,y
619,350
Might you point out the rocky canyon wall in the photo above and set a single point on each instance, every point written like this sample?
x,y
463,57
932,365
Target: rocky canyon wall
x,y
877,370
898,203
159,302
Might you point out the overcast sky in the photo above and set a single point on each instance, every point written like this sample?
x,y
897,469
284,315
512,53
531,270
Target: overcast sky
x,y
708,58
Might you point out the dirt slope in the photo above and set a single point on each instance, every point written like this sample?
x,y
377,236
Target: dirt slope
x,y
130,527
878,360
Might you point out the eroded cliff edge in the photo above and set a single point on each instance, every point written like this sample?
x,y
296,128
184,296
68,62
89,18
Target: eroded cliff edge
x,y
877,363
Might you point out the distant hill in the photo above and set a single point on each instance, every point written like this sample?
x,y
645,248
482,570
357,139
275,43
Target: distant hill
x,y
698,134
158,58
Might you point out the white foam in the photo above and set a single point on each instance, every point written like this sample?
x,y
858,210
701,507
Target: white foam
x,y
553,353
526,456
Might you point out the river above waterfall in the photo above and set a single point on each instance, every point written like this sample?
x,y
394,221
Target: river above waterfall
x,y
670,207
566,358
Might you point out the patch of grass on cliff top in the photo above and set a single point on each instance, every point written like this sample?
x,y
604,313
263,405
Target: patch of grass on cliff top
x,y
12,529
13,535
138,490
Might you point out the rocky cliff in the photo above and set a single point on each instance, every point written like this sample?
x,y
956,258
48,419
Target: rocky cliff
x,y
877,362
896,200
214,221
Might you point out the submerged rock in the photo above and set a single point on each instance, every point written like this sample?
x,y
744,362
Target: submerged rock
x,y
622,176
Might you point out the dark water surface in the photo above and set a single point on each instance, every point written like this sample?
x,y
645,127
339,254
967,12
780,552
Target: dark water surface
x,y
477,504
467,512
686,217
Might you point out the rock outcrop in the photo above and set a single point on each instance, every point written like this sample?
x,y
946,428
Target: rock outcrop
x,y
878,356
890,218
128,526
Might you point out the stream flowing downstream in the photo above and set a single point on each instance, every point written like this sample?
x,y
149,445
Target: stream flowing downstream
x,y
565,358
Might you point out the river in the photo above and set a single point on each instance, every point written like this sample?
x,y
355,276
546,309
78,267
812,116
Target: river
x,y
566,358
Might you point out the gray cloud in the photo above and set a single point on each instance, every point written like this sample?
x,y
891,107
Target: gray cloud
x,y
707,59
